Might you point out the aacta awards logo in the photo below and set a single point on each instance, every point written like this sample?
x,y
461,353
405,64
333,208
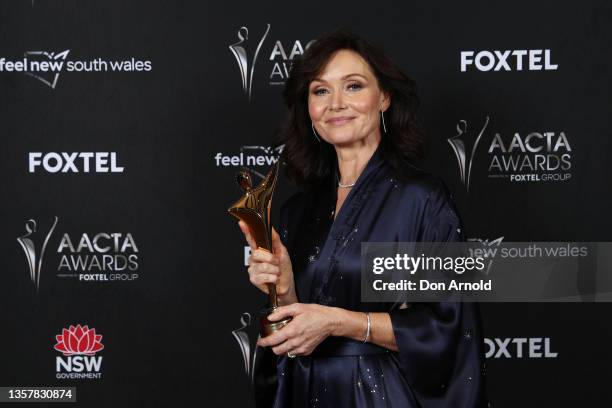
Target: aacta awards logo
x,y
34,243
533,156
46,66
247,50
242,59
461,146
242,337
79,346
99,257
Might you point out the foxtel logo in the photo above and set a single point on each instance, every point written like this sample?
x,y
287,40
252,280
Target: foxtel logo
x,y
508,60
519,347
75,162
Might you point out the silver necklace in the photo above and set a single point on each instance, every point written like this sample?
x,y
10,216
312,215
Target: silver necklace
x,y
344,185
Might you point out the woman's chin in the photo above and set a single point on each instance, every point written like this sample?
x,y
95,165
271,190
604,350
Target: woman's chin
x,y
343,140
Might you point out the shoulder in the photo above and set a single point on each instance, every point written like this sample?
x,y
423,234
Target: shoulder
x,y
418,183
427,193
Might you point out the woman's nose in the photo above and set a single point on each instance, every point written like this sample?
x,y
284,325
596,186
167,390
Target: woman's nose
x,y
337,101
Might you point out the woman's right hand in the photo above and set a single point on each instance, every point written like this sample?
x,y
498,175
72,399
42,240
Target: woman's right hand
x,y
275,268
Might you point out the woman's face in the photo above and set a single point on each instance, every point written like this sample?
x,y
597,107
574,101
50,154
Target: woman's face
x,y
344,101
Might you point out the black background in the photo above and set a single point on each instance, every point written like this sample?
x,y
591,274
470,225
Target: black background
x,y
168,335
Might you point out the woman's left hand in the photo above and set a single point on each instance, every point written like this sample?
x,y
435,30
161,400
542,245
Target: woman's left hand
x,y
310,325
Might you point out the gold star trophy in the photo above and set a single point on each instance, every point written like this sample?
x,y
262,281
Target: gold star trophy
x,y
254,209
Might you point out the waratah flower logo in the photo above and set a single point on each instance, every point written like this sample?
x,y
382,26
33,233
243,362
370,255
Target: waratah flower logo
x,y
78,340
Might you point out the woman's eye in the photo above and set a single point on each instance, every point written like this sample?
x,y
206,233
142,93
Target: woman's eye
x,y
355,87
320,91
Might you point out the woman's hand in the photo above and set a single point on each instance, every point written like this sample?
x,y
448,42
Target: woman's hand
x,y
310,325
275,268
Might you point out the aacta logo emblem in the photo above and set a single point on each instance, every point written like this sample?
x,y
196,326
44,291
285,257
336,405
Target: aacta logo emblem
x,y
79,345
242,58
249,47
461,144
34,243
242,337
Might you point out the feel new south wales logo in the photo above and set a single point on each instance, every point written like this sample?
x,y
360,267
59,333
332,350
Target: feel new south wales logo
x,y
48,66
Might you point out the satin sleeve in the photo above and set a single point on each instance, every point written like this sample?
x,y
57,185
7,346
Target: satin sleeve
x,y
440,344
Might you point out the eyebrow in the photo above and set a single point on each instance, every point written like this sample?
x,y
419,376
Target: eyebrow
x,y
344,77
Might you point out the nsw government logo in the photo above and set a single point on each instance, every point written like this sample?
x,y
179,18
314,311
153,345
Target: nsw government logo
x,y
279,54
517,157
47,66
78,346
86,257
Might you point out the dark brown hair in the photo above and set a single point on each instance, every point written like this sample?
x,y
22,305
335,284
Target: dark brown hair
x,y
308,161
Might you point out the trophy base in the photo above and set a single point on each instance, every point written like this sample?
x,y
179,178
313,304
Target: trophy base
x,y
267,327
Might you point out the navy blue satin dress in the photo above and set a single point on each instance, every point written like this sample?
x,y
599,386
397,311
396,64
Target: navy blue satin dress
x,y
440,357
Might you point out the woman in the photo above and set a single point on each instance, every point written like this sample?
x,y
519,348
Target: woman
x,y
349,141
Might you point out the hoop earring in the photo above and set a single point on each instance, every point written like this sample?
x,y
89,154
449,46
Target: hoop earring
x,y
315,132
383,121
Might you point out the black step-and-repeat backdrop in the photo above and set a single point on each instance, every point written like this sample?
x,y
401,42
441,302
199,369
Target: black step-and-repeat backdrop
x,y
123,124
